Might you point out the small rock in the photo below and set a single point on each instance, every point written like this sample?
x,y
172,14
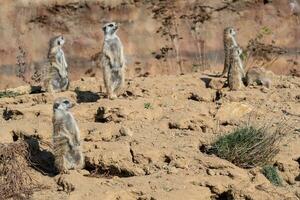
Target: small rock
x,y
64,185
210,172
84,172
172,170
125,132
180,163
233,111
264,90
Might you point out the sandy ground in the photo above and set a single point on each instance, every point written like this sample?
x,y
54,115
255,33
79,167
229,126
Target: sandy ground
x,y
147,144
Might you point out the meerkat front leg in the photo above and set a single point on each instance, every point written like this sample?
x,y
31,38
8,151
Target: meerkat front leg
x,y
121,81
107,75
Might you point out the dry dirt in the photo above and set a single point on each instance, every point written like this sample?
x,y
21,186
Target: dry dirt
x,y
146,145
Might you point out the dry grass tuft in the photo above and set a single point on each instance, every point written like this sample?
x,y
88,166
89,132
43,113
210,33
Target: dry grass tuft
x,y
15,182
271,173
249,146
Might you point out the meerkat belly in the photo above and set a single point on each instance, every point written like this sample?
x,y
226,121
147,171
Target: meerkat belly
x,y
116,76
57,81
234,78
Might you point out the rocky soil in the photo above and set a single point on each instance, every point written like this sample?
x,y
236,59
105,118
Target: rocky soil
x,y
148,144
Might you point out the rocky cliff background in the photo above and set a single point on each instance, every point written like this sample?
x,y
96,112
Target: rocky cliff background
x,y
160,36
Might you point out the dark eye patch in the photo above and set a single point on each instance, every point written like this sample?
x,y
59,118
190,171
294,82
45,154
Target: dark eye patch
x,y
110,25
55,106
66,102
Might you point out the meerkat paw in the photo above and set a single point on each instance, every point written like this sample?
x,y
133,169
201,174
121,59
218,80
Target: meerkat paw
x,y
112,96
64,185
65,171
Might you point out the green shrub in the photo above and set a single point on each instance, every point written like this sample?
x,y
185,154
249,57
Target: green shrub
x,y
247,146
272,175
8,94
147,106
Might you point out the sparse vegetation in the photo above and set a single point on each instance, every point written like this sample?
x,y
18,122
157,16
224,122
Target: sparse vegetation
x,y
8,94
15,182
272,175
259,53
248,146
147,105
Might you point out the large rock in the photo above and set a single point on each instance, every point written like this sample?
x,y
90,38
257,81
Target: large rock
x,y
231,112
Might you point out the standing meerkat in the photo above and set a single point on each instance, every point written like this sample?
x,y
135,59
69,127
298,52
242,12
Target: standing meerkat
x,y
57,78
259,76
112,60
229,40
235,74
66,137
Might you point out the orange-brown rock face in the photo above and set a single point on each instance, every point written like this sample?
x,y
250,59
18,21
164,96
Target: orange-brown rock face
x,y
160,37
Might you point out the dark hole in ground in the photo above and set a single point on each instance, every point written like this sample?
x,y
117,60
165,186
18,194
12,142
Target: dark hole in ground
x,y
297,178
168,159
298,160
227,195
11,114
206,148
36,89
219,95
194,97
86,96
267,1
127,93
109,171
100,116
206,81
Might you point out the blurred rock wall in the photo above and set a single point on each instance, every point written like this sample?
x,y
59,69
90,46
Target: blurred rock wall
x,y
160,36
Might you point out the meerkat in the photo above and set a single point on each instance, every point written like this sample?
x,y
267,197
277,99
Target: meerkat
x,y
57,77
259,76
112,60
229,40
235,74
66,137
294,7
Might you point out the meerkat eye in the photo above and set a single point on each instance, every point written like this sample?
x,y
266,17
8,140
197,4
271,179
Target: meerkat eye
x,y
110,25
66,102
58,42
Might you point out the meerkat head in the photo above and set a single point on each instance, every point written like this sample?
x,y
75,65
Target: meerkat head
x,y
110,28
62,103
293,5
57,41
230,32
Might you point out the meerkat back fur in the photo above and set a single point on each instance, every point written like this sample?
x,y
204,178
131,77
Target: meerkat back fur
x,y
112,60
57,78
66,137
259,76
235,74
229,40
